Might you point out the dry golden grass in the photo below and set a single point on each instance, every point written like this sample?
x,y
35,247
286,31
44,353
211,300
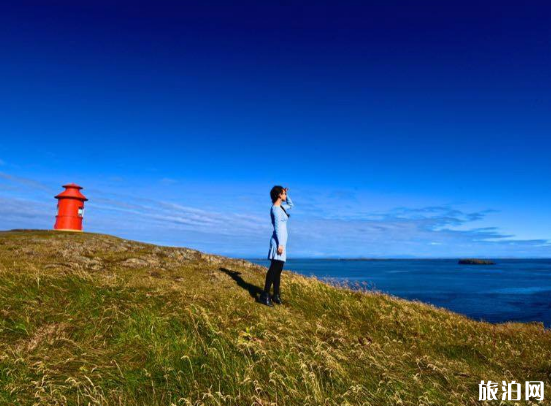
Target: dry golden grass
x,y
89,319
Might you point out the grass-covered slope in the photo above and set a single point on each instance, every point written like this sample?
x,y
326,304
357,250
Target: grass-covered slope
x,y
88,319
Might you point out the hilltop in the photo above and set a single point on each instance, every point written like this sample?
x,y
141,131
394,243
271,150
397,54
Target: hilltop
x,y
90,319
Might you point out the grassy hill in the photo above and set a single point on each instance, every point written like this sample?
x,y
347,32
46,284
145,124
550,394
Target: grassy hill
x,y
89,319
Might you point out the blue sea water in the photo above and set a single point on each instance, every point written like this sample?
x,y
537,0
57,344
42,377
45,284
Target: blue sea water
x,y
510,290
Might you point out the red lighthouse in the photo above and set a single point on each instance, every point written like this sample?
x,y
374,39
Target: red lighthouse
x,y
70,208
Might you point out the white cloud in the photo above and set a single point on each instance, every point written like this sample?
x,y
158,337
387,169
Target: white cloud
x,y
316,227
168,181
27,182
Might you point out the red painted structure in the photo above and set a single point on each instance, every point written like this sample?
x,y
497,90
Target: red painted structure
x,y
70,208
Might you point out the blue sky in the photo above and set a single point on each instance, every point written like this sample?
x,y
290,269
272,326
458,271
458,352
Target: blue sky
x,y
402,128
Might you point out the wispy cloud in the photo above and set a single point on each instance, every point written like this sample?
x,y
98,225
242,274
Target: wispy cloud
x,y
27,182
317,227
25,213
168,181
343,194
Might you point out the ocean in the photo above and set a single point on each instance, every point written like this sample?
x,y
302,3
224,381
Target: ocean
x,y
510,290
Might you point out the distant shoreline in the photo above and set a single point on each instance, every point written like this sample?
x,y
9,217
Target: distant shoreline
x,y
399,259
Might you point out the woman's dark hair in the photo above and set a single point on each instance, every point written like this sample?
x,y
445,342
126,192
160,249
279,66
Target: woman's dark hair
x,y
275,192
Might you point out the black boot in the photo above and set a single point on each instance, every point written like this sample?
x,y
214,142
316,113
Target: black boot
x,y
265,299
276,298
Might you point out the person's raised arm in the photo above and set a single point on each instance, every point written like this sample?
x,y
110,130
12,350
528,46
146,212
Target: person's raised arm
x,y
288,204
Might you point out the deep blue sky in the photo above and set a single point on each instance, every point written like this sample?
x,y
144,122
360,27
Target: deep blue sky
x,y
402,128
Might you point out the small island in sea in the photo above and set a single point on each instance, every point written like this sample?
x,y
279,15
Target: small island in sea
x,y
474,261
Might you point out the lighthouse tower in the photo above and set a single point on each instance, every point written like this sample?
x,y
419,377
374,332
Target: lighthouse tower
x,y
70,208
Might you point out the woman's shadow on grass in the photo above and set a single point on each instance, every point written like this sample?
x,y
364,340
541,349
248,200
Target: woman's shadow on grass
x,y
253,290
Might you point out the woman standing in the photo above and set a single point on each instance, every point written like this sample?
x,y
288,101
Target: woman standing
x,y
278,243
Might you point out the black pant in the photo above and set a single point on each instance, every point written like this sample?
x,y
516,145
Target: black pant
x,y
274,276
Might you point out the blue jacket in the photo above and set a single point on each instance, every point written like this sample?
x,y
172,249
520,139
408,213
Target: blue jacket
x,y
279,236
